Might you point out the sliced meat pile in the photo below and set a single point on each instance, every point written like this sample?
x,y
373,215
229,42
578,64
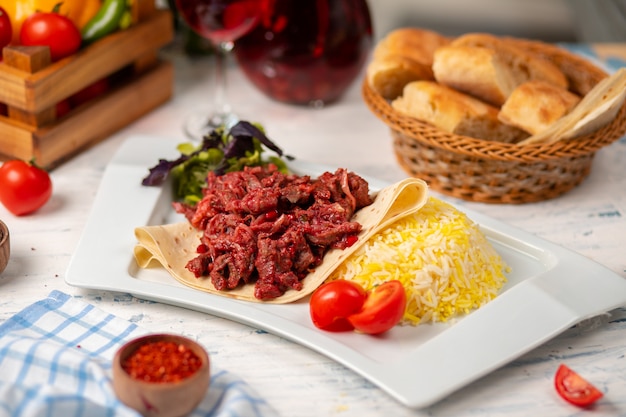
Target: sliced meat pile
x,y
270,228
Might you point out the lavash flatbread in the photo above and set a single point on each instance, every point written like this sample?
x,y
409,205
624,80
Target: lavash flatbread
x,y
172,246
597,108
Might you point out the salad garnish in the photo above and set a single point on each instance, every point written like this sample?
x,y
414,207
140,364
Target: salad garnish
x,y
221,151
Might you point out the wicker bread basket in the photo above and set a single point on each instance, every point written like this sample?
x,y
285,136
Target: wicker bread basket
x,y
494,172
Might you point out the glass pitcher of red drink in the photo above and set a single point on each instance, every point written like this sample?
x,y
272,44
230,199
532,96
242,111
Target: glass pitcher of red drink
x,y
307,51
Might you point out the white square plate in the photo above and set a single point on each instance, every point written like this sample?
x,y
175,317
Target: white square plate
x,y
548,290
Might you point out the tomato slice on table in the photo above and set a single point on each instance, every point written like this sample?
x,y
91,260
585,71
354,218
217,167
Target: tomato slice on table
x,y
333,302
383,309
574,388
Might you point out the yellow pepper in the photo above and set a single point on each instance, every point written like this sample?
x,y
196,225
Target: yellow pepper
x,y
79,11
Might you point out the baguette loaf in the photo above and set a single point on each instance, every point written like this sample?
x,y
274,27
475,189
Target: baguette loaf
x,y
535,105
414,43
525,65
490,68
454,112
404,55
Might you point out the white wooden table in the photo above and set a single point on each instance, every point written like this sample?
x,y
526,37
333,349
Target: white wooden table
x,y
590,220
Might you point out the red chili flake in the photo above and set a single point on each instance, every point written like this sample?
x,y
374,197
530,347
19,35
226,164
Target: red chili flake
x,y
162,361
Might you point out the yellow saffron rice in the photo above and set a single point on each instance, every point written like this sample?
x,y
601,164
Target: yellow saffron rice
x,y
445,262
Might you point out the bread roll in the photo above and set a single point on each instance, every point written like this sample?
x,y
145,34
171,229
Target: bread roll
x,y
404,55
454,112
535,105
596,109
474,70
414,43
388,75
490,68
523,63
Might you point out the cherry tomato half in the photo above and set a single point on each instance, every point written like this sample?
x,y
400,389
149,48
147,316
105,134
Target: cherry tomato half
x,y
6,29
23,187
53,30
383,309
333,302
574,388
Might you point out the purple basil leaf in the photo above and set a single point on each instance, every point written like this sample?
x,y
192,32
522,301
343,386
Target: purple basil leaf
x,y
158,173
212,140
244,128
240,141
238,147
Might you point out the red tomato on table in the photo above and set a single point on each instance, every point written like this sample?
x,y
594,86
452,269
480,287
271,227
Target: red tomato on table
x,y
53,30
23,187
574,388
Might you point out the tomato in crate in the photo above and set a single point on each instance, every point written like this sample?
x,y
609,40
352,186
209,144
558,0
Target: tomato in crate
x,y
54,110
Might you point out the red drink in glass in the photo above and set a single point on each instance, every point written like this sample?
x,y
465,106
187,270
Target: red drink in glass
x,y
306,51
220,20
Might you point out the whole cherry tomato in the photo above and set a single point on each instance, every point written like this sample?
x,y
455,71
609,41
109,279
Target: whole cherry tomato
x,y
6,29
333,302
90,92
63,107
51,29
24,187
383,309
574,388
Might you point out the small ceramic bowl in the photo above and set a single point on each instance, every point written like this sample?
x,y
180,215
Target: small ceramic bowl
x,y
5,246
160,399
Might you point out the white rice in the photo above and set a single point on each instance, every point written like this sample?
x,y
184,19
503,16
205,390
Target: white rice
x,y
447,266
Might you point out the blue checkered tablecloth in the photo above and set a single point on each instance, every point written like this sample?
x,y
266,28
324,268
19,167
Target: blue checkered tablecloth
x,y
55,361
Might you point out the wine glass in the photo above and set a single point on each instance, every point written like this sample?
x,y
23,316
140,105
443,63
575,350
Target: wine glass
x,y
307,52
221,22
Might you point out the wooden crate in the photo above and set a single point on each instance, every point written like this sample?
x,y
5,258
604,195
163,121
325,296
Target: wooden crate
x,y
31,86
